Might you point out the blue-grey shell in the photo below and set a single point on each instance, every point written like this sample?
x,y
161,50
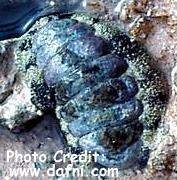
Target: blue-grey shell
x,y
107,93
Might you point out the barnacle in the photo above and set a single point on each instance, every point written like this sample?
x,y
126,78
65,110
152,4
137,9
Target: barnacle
x,y
107,93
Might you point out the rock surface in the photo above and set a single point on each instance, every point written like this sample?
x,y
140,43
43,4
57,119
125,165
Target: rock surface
x,y
7,70
16,107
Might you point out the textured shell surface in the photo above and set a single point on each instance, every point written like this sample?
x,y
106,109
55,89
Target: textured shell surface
x,y
105,92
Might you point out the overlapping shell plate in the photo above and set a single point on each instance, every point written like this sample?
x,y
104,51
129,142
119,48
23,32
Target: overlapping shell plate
x,y
106,94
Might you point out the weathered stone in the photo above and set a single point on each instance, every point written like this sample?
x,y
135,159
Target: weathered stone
x,y
16,107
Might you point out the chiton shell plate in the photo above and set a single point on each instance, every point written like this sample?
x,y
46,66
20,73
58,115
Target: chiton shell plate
x,y
106,93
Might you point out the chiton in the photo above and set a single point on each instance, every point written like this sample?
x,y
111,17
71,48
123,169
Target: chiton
x,y
107,95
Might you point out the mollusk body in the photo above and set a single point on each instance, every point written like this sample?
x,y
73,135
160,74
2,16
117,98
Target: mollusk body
x,y
107,95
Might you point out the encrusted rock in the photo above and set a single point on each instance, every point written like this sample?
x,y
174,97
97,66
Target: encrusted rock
x,y
16,107
7,70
